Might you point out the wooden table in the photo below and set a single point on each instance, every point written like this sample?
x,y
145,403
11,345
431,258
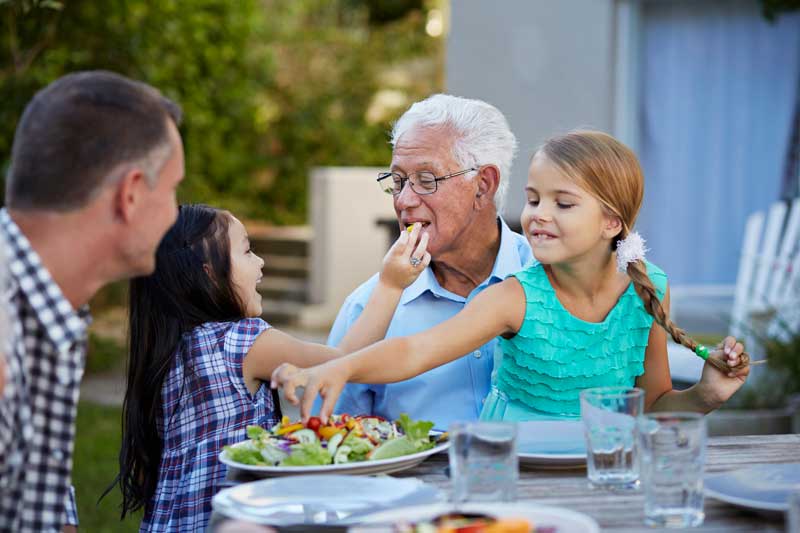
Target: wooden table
x,y
625,512
617,513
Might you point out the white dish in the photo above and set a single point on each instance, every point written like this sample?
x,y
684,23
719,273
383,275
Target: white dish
x,y
551,443
761,487
319,499
540,516
381,466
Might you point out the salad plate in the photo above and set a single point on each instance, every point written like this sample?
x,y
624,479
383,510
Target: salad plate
x,y
540,517
551,443
349,445
760,487
379,466
319,500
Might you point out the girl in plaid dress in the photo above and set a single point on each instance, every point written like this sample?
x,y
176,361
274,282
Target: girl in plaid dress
x,y
199,356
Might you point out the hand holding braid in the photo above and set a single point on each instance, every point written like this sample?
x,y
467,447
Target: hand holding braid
x,y
647,292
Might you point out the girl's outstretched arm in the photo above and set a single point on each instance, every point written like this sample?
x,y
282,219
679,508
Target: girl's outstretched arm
x,y
498,310
274,347
713,389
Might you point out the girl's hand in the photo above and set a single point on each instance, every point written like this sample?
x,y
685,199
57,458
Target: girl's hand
x,y
717,386
327,380
406,259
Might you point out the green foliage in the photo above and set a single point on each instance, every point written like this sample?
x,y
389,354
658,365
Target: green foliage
x,y
104,354
782,379
95,463
269,88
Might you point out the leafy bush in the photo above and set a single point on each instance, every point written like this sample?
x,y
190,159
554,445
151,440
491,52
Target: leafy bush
x,y
269,88
781,379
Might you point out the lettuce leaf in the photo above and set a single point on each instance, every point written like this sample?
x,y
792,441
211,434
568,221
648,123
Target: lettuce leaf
x,y
308,454
246,455
417,432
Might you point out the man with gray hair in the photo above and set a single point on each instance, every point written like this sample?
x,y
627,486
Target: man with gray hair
x,y
90,193
451,160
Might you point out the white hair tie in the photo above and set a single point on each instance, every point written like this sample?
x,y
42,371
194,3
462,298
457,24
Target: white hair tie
x,y
629,250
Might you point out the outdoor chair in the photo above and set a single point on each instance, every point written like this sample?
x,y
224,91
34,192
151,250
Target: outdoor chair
x,y
767,294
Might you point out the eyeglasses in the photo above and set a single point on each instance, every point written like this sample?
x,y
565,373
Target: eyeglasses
x,y
421,182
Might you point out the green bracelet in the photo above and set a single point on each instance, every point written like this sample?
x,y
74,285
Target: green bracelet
x,y
701,351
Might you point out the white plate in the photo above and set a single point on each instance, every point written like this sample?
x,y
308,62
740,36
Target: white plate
x,y
381,466
563,520
761,487
319,499
551,443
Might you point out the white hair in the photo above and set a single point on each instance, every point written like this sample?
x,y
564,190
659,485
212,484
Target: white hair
x,y
482,135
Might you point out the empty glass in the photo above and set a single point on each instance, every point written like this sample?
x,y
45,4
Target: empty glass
x,y
673,456
483,461
609,420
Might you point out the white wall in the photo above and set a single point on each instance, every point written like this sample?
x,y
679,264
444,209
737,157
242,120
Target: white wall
x,y
547,65
347,247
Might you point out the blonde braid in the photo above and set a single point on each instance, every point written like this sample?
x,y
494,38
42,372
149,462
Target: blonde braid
x,y
647,292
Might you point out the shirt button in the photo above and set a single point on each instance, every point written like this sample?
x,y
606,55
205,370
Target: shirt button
x,y
477,354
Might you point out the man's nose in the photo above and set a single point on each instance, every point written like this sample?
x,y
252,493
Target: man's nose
x,y
407,197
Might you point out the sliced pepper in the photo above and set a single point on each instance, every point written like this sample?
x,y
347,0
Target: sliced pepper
x,y
326,432
288,429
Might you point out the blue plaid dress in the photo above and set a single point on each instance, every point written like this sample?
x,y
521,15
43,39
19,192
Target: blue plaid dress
x,y
206,406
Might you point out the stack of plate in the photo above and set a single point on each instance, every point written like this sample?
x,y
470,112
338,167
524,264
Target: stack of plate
x,y
319,499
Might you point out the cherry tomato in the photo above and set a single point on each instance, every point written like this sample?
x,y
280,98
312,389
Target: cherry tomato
x,y
314,423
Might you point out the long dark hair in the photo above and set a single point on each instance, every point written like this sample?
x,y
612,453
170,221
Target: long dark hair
x,y
190,286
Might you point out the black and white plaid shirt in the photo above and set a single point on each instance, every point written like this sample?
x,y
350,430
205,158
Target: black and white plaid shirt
x,y
40,400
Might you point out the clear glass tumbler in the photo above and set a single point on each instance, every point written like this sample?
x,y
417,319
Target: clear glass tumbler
x,y
673,457
483,461
609,417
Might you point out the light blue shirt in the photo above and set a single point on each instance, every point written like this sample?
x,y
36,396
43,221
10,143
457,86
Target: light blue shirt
x,y
454,391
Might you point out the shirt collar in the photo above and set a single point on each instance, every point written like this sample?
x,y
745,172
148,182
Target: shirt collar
x,y
62,324
506,263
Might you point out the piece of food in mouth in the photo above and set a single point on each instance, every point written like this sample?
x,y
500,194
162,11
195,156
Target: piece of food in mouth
x,y
409,228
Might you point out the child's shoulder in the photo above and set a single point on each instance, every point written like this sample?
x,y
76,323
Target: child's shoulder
x,y
243,326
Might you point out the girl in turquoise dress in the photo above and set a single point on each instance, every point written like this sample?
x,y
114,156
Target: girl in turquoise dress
x,y
590,311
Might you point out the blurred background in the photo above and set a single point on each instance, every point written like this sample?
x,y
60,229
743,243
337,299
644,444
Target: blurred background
x,y
288,104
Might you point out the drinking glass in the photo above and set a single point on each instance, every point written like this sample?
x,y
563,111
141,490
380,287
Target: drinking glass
x,y
483,461
609,421
673,457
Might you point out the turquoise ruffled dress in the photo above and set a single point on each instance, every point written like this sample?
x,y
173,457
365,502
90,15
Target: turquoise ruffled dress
x,y
540,372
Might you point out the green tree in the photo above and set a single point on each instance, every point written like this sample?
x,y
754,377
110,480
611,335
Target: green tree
x,y
269,88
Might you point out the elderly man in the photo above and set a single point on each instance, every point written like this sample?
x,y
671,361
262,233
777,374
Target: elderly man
x,y
90,192
450,165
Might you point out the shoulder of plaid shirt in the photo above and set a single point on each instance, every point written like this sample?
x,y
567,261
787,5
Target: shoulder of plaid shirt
x,y
38,497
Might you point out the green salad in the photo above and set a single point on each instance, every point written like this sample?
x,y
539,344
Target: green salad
x,y
344,439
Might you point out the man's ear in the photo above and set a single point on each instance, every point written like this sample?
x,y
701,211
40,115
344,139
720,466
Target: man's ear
x,y
130,193
487,180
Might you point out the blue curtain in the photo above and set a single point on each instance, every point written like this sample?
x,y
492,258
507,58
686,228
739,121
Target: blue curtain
x,y
718,94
